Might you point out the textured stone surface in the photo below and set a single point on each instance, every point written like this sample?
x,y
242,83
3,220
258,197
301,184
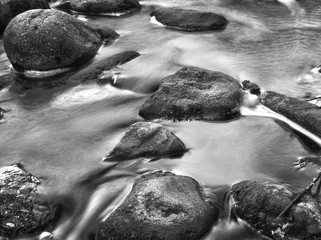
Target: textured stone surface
x,y
49,39
11,8
105,6
147,139
21,208
259,203
194,93
189,20
303,113
161,206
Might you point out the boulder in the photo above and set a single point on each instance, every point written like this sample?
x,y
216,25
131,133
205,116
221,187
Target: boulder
x,y
260,203
194,93
11,8
147,139
45,40
22,211
303,113
161,206
189,20
105,6
93,71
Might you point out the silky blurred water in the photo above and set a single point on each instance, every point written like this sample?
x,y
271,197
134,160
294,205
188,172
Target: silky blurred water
x,y
61,134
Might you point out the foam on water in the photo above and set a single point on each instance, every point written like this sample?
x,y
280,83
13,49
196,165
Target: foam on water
x,y
88,93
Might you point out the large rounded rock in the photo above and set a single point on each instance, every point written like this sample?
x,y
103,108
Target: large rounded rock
x,y
11,8
259,203
21,209
189,20
105,6
161,206
194,93
49,39
303,113
147,139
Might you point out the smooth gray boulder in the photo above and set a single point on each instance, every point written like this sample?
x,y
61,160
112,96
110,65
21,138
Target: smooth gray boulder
x,y
11,8
22,211
259,203
105,6
189,20
46,40
161,206
147,139
306,114
194,94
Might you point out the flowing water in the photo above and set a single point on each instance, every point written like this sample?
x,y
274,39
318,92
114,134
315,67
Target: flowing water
x,y
61,134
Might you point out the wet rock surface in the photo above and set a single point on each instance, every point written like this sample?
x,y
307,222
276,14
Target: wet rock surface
x,y
196,94
161,206
49,39
147,139
259,203
189,20
105,6
253,88
93,72
303,113
22,211
11,8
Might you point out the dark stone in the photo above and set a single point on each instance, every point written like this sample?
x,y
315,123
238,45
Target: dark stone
x,y
11,8
259,203
93,71
189,20
161,206
22,211
252,87
194,93
49,39
105,6
147,139
303,113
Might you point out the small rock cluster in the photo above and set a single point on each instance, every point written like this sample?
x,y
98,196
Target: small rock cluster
x,y
22,210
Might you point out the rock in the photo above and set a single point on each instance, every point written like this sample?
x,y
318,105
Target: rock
x,y
194,93
259,203
105,6
22,211
147,139
303,113
45,40
93,71
11,8
252,87
161,206
189,20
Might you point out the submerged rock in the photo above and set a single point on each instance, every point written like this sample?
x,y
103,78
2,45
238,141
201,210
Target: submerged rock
x,y
259,203
303,113
21,209
161,206
11,8
105,6
189,20
95,70
252,87
147,139
194,93
45,40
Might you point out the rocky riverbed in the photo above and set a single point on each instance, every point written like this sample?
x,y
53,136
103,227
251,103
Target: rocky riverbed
x,y
66,68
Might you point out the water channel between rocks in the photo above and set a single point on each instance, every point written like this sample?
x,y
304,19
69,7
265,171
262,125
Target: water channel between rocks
x,y
61,134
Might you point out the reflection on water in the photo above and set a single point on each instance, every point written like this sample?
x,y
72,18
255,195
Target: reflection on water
x,y
61,134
